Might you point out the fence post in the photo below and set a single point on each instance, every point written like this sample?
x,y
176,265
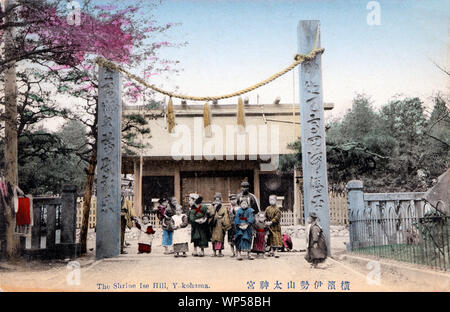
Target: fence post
x,y
355,197
68,219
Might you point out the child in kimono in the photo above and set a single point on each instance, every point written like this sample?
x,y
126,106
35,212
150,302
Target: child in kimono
x,y
146,233
260,229
198,217
220,224
232,210
180,234
244,220
168,226
273,217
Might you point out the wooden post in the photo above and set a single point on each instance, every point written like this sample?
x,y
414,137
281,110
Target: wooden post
x,y
314,162
177,185
256,189
109,164
137,189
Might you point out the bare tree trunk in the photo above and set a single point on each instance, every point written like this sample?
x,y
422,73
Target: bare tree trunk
x,y
10,89
87,201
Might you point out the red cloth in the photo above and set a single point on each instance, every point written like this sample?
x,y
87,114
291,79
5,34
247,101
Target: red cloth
x,y
260,230
259,242
23,216
243,218
145,248
199,210
287,242
150,230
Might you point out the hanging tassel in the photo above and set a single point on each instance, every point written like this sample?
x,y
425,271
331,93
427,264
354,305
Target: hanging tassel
x,y
207,119
170,116
240,113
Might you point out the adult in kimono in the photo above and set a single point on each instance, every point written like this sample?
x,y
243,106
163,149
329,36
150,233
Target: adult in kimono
x,y
198,216
244,220
232,210
251,198
220,224
273,219
316,246
126,218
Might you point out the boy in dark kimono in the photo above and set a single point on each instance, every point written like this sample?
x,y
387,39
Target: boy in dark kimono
x,y
260,229
232,210
244,220
316,246
198,216
273,217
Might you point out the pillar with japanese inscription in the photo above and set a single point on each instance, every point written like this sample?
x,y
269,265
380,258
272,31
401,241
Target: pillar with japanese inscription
x,y
108,164
314,162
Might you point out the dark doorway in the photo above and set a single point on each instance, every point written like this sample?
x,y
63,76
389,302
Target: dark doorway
x,y
156,187
280,185
207,183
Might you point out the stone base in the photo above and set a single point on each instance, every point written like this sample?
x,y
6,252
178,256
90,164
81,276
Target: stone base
x,y
61,251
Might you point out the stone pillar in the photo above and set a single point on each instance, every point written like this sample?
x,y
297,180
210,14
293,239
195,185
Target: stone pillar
x,y
68,214
355,197
314,162
108,164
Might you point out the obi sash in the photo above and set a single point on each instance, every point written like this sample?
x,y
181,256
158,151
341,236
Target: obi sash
x,y
243,218
198,210
260,230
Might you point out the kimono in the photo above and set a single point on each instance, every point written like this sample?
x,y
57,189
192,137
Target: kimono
x,y
180,235
167,226
273,214
259,242
220,223
314,234
126,219
244,237
145,237
232,210
200,233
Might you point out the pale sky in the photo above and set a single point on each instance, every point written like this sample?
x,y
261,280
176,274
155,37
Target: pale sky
x,y
234,44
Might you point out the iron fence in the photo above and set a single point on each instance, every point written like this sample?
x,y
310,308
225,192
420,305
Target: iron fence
x,y
419,238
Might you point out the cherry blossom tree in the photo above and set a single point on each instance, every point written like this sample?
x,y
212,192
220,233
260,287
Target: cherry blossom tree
x,y
64,40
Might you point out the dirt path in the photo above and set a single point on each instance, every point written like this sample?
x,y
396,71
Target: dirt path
x,y
159,272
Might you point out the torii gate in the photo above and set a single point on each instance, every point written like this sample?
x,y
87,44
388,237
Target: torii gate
x,y
315,185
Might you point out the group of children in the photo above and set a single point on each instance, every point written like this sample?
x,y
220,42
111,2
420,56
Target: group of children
x,y
248,231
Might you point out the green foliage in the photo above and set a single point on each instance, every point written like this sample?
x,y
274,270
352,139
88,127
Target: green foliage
x,y
49,160
394,149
